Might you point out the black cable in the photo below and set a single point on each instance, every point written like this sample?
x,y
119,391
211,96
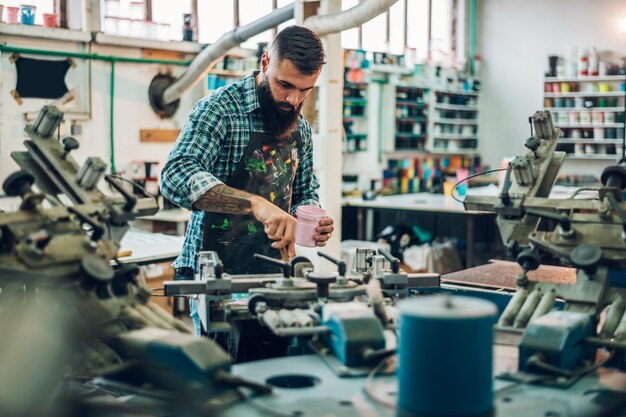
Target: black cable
x,y
472,176
146,193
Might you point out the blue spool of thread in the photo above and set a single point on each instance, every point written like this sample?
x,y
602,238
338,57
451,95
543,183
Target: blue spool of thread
x,y
446,357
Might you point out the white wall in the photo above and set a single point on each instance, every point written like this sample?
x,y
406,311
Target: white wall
x,y
514,39
132,109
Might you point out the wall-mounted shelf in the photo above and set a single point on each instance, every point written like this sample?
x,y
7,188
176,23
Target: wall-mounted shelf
x,y
586,79
454,122
411,117
589,125
593,156
455,107
586,94
355,116
568,109
590,140
454,137
590,113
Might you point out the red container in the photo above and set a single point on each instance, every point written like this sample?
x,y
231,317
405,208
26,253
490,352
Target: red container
x,y
50,20
13,14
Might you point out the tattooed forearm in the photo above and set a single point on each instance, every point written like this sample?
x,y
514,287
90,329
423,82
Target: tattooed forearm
x,y
224,199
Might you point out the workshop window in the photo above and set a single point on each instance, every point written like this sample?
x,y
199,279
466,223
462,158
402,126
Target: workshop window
x,y
396,28
171,15
283,3
417,28
41,7
213,21
148,19
390,32
251,10
350,39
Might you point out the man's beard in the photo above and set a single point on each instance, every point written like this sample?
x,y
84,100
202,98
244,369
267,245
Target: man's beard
x,y
280,118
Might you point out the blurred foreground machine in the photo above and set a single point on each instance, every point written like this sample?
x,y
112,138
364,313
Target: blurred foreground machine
x,y
68,303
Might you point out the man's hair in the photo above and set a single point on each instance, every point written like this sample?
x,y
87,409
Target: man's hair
x,y
301,46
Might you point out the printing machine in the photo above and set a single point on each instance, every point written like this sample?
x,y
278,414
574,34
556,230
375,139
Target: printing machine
x,y
86,340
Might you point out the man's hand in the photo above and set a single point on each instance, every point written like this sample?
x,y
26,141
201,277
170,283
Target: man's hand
x,y
324,231
279,225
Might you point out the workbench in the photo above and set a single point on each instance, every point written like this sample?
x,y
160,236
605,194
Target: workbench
x,y
148,248
435,204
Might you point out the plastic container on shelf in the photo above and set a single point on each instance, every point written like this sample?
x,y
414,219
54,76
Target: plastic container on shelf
x,y
50,20
27,14
13,15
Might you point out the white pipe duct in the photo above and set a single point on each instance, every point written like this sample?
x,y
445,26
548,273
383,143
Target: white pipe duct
x,y
355,16
322,25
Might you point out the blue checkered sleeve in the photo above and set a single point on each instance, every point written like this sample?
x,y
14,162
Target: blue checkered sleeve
x,y
187,173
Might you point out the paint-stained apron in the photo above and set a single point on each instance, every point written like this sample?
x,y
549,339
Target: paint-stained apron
x,y
267,169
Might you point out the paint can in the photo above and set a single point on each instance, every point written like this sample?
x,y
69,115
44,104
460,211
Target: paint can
x,y
597,117
27,14
598,133
13,15
50,20
446,357
308,220
585,117
573,117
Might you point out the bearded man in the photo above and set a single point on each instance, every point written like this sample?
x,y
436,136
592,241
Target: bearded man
x,y
243,162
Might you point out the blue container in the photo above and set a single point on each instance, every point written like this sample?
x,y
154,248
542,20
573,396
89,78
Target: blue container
x,y
27,14
446,357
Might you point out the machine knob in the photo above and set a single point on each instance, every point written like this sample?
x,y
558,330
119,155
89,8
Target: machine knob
x,y
512,248
323,281
614,176
96,269
254,301
18,184
586,256
124,274
529,260
69,144
532,143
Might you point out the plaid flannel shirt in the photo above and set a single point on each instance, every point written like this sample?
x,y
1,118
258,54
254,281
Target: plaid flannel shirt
x,y
208,151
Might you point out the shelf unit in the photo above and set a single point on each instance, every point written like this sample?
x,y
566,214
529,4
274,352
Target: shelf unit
x,y
590,112
454,122
411,118
355,116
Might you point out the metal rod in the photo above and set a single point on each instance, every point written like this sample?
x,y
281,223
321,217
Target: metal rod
x,y
96,57
111,117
